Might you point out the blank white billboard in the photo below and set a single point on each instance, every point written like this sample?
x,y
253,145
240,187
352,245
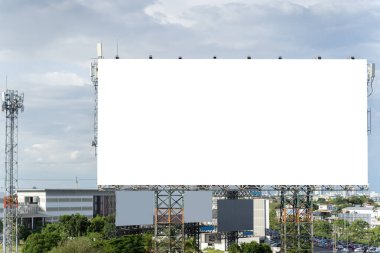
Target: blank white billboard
x,y
232,122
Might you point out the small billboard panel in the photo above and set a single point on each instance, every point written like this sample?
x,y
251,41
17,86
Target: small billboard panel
x,y
235,215
198,206
134,208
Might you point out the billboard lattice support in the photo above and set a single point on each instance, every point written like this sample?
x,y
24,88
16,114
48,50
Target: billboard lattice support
x,y
193,230
296,218
169,232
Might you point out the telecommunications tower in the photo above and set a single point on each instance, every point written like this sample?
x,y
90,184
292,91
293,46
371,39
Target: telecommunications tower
x,y
94,79
12,104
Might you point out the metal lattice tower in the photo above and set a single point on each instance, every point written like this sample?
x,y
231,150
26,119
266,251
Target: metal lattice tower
x,y
12,103
94,79
169,228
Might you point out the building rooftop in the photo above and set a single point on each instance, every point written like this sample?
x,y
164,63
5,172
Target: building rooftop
x,y
58,189
353,208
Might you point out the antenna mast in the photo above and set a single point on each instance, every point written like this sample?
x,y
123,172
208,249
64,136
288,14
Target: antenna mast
x,y
94,79
12,102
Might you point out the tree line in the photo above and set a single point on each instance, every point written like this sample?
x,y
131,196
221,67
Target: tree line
x,y
76,233
357,231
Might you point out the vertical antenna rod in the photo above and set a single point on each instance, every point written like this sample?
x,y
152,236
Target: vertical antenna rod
x,y
12,102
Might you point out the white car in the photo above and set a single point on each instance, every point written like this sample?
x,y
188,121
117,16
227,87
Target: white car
x,y
359,250
339,247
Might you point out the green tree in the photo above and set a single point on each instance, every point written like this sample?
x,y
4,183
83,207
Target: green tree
x,y
358,231
148,242
234,248
254,247
54,228
274,222
211,250
109,229
75,224
97,239
374,236
77,245
322,228
190,245
23,232
339,200
41,242
96,224
126,244
341,229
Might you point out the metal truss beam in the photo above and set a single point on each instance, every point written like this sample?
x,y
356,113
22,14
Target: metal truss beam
x,y
264,189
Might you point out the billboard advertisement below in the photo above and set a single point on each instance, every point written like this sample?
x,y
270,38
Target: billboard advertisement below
x,y
235,215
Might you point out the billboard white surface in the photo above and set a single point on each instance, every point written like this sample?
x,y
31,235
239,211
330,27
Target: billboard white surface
x,y
232,122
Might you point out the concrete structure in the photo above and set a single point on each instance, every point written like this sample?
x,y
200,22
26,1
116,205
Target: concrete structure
x,y
37,206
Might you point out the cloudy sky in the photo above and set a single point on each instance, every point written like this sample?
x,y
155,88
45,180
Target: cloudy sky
x,y
46,48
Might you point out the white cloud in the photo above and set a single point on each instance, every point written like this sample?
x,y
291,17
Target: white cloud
x,y
55,152
187,12
74,155
59,78
8,55
40,152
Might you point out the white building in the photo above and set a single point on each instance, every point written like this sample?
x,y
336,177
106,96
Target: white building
x,y
369,214
375,196
326,207
37,206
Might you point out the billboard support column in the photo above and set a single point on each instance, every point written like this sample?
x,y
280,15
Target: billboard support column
x,y
169,233
296,209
